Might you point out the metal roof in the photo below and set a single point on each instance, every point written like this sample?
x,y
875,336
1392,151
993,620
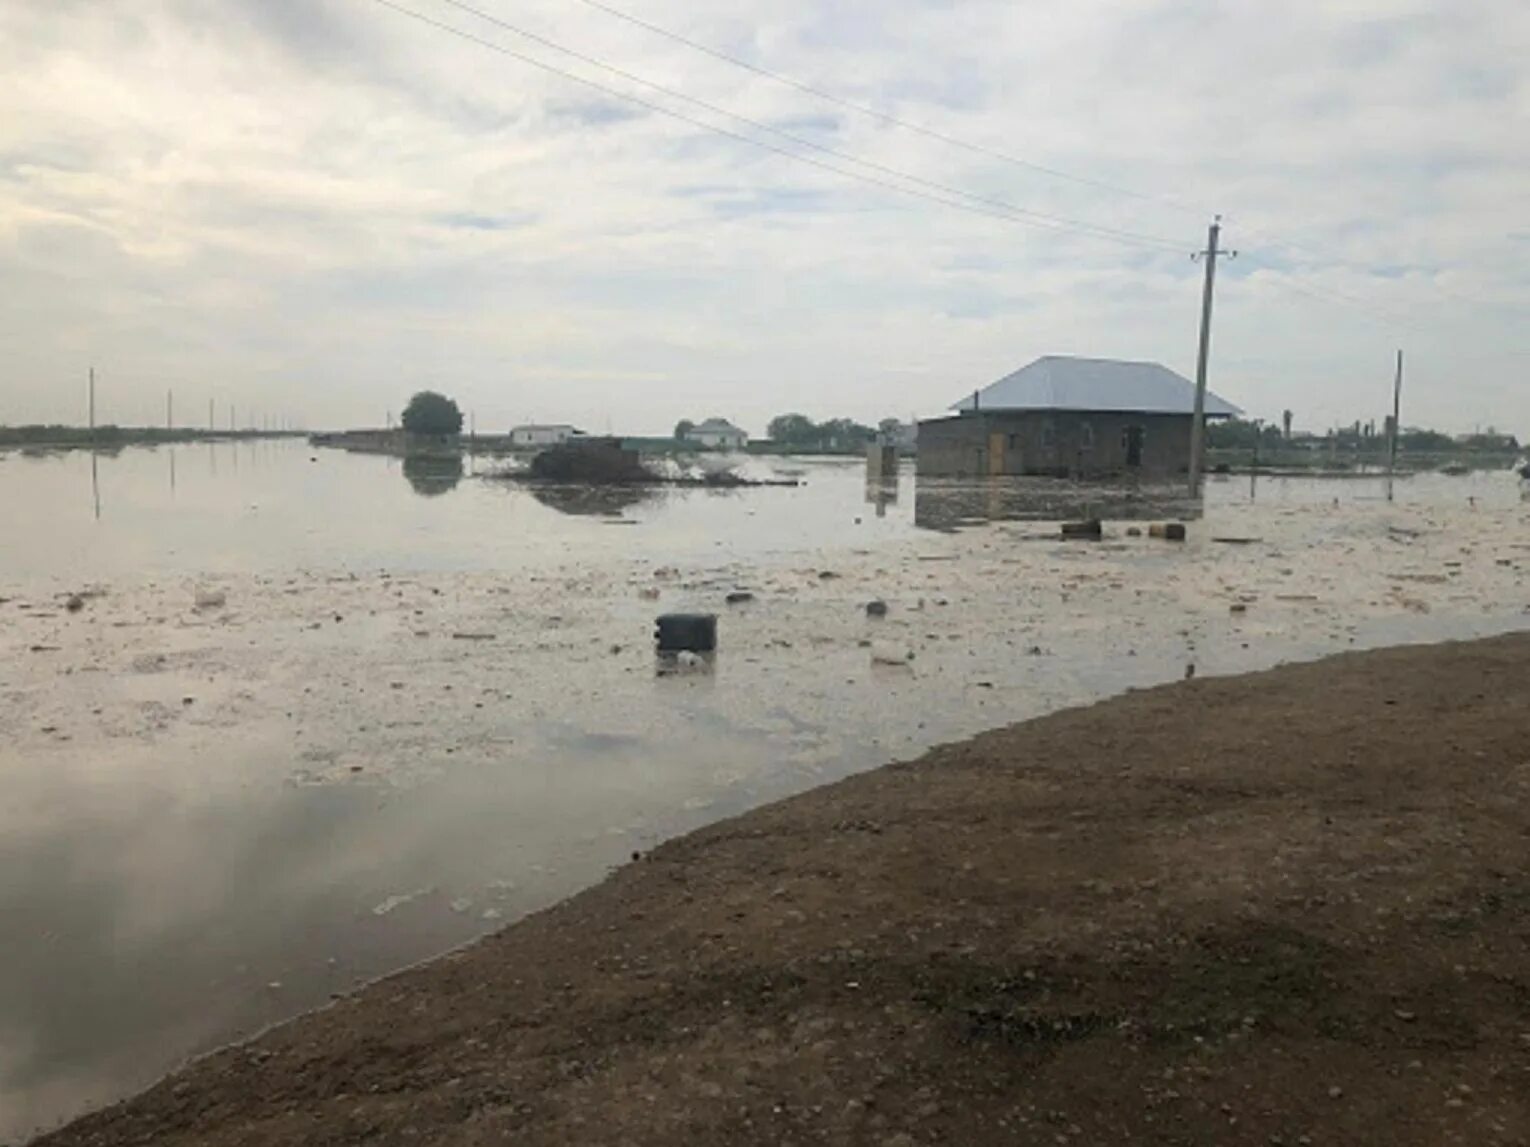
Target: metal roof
x,y
1060,382
716,426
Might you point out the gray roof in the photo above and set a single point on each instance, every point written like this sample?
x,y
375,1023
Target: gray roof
x,y
1060,382
716,426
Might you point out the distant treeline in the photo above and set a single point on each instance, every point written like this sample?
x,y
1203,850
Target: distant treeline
x,y
1362,438
57,437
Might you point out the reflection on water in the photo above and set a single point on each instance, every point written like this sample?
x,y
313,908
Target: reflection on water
x,y
882,492
592,501
950,504
431,475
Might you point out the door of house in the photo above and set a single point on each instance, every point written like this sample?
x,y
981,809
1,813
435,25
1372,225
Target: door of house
x,y
1134,435
996,454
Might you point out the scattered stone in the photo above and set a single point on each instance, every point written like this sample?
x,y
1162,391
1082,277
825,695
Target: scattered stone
x,y
876,608
1238,607
210,599
827,575
74,603
740,597
1335,1093
891,655
473,636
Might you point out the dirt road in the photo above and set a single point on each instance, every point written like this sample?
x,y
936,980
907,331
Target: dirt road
x,y
1288,908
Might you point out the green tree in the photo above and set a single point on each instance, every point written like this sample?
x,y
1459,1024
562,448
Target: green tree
x,y
793,430
683,429
432,413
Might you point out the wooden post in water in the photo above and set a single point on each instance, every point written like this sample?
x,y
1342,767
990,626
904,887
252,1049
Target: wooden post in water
x,y
1396,426
92,403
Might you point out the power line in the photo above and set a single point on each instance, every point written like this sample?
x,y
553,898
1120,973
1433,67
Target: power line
x,y
994,208
887,118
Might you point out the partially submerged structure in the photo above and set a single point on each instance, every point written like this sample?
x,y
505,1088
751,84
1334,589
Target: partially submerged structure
x,y
1070,418
544,434
717,434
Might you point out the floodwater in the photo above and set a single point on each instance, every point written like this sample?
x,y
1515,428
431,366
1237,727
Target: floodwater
x,y
416,704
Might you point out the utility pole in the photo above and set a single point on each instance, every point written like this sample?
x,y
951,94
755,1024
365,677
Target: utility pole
x,y
1198,422
1396,426
92,400
169,410
210,426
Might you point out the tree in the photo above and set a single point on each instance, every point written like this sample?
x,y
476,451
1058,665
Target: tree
x,y
432,413
792,430
683,429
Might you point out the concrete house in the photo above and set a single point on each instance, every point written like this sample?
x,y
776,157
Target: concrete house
x,y
555,434
1070,418
718,434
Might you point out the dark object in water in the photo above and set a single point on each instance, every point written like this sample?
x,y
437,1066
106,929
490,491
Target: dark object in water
x,y
686,632
599,460
740,597
876,608
1088,529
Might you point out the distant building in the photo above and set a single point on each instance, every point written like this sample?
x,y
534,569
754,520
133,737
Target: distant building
x,y
1070,417
902,435
555,434
717,434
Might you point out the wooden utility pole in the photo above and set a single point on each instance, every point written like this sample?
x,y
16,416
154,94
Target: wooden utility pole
x,y
210,426
92,399
169,410
1396,426
1198,422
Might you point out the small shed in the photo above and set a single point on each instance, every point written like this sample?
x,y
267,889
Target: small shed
x,y
1070,418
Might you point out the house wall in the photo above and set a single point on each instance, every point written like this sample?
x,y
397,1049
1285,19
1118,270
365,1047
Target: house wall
x,y
1053,443
714,440
541,435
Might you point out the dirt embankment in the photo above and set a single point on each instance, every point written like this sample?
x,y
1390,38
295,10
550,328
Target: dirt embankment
x,y
1288,908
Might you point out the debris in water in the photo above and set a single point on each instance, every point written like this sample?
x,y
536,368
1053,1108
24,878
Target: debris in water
x,y
393,902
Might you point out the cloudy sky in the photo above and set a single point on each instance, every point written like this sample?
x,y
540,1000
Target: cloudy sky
x,y
311,208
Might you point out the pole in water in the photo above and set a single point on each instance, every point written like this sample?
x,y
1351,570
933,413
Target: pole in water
x,y
1396,426
169,410
1202,360
92,399
210,426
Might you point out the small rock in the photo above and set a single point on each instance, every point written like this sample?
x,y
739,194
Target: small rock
x,y
210,599
827,575
75,603
1335,1093
1238,607
740,597
876,608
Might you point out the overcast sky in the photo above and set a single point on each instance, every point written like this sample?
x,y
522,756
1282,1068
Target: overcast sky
x,y
311,208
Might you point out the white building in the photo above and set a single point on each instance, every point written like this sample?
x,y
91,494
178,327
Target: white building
x,y
718,434
543,435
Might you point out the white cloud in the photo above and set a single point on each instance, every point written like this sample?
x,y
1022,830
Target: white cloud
x,y
315,206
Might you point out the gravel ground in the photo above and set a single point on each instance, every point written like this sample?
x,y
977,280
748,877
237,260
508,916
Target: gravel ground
x,y
1284,908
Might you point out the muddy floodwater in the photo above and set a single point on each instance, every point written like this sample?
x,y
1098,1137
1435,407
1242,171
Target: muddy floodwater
x,y
315,716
